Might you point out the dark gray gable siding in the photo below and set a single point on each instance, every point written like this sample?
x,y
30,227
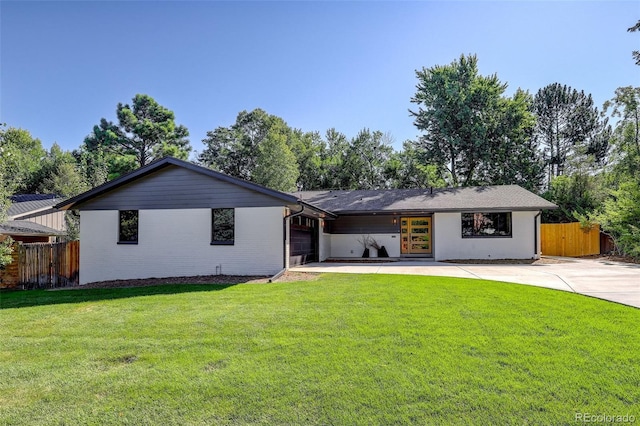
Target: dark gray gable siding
x,y
175,187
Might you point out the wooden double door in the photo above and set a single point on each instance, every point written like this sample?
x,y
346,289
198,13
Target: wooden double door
x,y
415,235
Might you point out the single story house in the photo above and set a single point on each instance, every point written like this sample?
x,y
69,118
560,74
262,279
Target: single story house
x,y
32,219
174,218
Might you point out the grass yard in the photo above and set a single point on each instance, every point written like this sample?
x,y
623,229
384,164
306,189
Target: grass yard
x,y
343,349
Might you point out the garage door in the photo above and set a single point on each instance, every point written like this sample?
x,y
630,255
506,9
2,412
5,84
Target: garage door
x,y
303,242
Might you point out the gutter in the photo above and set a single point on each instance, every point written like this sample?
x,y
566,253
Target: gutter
x,y
276,276
535,234
284,234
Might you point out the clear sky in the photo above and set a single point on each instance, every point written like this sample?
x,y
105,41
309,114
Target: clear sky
x,y
348,65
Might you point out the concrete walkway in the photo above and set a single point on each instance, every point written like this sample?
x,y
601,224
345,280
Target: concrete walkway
x,y
614,281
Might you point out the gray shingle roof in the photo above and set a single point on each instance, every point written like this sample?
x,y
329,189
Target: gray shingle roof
x,y
24,227
27,203
481,198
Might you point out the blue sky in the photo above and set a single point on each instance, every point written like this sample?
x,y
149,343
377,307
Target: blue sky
x,y
348,65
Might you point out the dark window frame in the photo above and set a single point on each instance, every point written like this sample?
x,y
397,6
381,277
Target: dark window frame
x,y
216,230
122,236
481,222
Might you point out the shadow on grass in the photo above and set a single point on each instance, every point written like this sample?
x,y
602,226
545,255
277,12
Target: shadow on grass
x,y
22,299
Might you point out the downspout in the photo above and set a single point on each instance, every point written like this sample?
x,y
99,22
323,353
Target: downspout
x,y
535,234
284,234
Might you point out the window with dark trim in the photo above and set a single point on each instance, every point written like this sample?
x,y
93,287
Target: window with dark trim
x,y
222,226
486,225
128,227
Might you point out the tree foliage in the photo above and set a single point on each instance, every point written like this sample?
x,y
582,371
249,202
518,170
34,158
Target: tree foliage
x,y
307,148
58,174
305,159
5,244
27,168
145,132
469,127
332,158
568,125
578,194
619,215
243,150
365,161
409,168
276,165
514,158
625,140
21,156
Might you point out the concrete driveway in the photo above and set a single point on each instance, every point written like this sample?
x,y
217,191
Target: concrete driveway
x,y
614,281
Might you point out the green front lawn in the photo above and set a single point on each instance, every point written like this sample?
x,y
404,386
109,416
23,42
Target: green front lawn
x,y
344,349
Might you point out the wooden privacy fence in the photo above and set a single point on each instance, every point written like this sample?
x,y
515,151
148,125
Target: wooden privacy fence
x,y
569,239
43,265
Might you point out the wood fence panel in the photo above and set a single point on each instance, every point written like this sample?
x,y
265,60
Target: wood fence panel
x,y
43,265
65,263
569,239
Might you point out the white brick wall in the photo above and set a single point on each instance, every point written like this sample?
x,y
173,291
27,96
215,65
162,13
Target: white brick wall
x,y
177,243
449,244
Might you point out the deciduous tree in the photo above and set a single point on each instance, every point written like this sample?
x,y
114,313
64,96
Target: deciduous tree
x,y
514,156
276,165
58,174
365,161
471,131
20,158
625,140
261,148
578,194
620,213
332,160
409,168
234,150
308,149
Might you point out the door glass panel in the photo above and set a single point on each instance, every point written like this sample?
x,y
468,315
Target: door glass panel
x,y
419,247
415,235
418,240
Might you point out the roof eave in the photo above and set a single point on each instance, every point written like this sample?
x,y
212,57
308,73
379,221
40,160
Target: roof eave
x,y
442,210
31,234
318,209
28,212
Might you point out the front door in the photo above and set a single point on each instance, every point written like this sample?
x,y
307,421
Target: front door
x,y
415,235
